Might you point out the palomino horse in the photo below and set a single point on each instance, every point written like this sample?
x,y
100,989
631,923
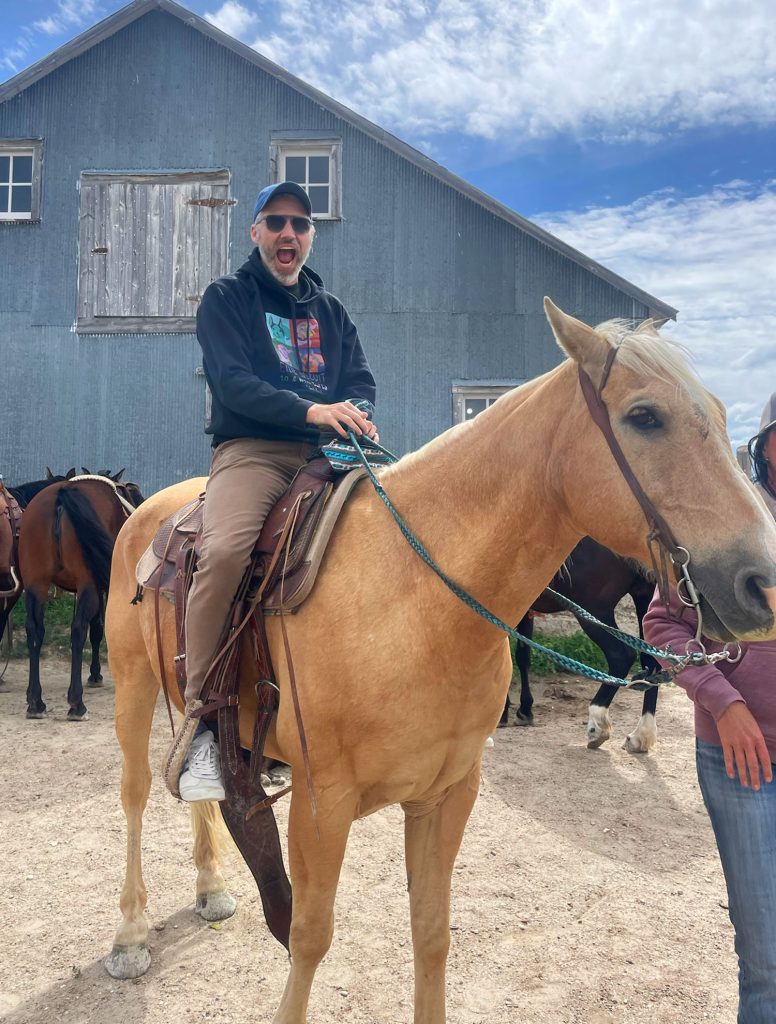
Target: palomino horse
x,y
66,541
400,684
597,579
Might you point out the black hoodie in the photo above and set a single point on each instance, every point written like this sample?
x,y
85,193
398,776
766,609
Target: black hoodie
x,y
269,354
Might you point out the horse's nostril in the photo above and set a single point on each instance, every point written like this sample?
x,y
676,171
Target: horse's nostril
x,y
753,590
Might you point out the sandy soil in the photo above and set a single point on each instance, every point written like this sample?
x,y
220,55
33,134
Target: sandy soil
x,y
587,890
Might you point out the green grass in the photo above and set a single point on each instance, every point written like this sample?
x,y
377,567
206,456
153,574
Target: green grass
x,y
575,645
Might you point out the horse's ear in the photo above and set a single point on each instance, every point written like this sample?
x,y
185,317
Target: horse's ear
x,y
49,474
70,473
85,470
580,342
118,475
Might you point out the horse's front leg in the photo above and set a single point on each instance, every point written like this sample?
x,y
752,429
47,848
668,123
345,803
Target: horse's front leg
x,y
6,631
87,606
644,736
96,631
432,837
315,860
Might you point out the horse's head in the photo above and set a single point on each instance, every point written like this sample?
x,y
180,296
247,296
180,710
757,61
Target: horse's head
x,y
131,492
672,433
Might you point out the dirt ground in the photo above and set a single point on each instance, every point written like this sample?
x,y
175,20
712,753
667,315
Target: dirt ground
x,y
587,889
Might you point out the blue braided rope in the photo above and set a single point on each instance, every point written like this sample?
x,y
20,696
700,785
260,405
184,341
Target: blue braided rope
x,y
474,604
630,641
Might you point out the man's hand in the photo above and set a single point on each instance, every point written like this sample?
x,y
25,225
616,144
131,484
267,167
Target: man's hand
x,y
743,746
341,417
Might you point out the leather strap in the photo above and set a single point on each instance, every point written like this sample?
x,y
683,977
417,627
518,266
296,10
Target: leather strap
x,y
159,646
660,532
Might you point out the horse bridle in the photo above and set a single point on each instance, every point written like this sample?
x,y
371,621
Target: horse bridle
x,y
660,535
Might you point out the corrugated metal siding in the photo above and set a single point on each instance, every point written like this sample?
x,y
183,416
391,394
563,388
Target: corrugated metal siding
x,y
440,288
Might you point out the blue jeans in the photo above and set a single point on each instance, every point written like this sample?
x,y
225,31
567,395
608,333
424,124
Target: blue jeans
x,y
744,824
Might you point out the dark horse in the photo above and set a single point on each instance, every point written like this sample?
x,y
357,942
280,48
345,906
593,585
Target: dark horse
x,y
11,584
66,541
596,579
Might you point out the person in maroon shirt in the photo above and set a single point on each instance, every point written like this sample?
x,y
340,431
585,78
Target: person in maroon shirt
x,y
735,729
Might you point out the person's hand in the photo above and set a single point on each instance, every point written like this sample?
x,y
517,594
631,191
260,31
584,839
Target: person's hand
x,y
341,417
743,746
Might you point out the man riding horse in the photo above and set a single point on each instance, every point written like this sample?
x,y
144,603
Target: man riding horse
x,y
283,361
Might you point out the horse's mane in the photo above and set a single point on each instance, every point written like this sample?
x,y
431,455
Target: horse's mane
x,y
641,348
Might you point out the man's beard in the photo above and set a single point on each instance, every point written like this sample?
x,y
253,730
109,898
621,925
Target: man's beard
x,y
289,279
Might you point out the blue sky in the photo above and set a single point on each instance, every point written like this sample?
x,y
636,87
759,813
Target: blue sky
x,y
642,134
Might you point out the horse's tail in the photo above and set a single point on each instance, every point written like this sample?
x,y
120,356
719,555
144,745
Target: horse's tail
x,y
209,829
94,540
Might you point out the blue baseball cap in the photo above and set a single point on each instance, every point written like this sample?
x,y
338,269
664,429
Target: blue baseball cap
x,y
282,188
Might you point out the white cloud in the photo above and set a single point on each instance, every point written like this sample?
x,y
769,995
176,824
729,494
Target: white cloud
x,y
66,15
14,57
69,14
711,256
233,18
605,69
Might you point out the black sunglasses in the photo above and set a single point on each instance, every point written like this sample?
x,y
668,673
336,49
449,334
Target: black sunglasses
x,y
277,221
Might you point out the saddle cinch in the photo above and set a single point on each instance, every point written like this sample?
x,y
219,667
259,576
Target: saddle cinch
x,y
283,569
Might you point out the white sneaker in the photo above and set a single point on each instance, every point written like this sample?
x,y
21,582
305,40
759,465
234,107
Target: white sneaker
x,y
201,776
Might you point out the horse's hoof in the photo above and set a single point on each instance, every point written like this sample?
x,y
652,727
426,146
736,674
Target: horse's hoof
x,y
215,906
94,683
124,962
521,719
594,742
74,715
35,713
636,746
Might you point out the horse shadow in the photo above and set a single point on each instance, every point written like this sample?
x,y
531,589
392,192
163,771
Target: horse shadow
x,y
90,995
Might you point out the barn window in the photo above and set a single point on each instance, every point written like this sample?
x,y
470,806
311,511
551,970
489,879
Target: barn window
x,y
315,165
149,246
473,397
20,167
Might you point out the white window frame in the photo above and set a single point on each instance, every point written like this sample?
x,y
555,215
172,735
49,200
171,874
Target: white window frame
x,y
281,148
27,148
490,390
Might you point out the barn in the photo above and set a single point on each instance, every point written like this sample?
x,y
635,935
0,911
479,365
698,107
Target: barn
x,y
130,159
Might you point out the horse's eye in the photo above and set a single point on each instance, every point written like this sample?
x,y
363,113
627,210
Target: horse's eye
x,y
643,418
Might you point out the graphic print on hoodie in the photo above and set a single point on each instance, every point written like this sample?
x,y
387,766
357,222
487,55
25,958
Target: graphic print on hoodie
x,y
297,345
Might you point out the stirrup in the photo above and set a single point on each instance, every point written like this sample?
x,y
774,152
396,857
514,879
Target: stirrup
x,y
175,758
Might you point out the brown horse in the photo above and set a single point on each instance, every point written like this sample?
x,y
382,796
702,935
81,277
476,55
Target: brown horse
x,y
10,576
66,541
400,684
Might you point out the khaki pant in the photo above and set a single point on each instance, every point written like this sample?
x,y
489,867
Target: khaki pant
x,y
247,477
